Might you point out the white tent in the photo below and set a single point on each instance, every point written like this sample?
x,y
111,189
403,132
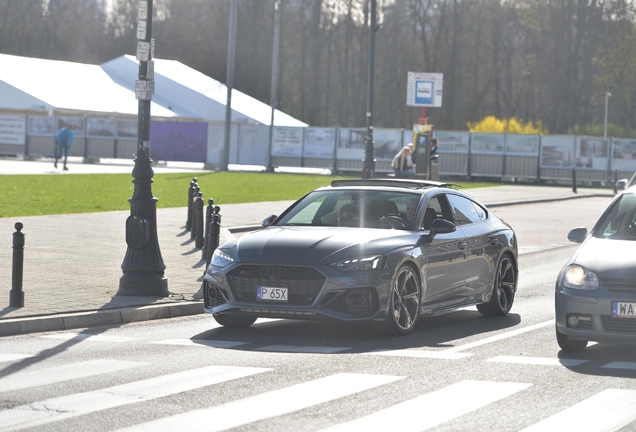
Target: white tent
x,y
189,93
36,84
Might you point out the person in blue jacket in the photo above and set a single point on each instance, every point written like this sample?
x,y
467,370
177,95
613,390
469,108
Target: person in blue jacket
x,y
63,141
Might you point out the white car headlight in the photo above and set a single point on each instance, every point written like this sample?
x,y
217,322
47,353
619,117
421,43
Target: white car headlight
x,y
577,277
220,259
367,263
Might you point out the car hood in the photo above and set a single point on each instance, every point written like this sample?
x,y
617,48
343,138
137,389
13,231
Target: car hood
x,y
317,245
613,259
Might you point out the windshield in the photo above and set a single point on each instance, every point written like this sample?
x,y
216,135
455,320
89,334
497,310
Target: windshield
x,y
354,208
619,222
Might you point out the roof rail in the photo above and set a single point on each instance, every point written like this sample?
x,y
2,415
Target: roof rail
x,y
404,183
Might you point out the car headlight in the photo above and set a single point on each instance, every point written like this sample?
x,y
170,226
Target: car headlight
x,y
220,259
577,277
375,262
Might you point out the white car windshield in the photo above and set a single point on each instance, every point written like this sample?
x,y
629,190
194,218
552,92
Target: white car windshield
x,y
619,222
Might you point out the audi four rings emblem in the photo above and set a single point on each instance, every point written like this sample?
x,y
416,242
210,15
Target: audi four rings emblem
x,y
273,272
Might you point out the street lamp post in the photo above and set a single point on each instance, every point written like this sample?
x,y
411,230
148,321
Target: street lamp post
x,y
368,170
607,95
143,265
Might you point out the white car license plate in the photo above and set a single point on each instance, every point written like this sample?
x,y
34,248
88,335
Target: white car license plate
x,y
271,294
623,310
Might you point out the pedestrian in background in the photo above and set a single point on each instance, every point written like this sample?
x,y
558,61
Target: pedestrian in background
x,y
63,141
402,163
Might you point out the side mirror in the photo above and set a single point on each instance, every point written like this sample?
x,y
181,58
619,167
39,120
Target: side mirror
x,y
442,226
621,184
577,235
268,220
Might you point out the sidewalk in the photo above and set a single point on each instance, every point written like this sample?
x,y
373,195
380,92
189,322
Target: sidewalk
x,y
72,263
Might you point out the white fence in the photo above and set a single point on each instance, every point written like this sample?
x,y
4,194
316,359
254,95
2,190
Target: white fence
x,y
480,155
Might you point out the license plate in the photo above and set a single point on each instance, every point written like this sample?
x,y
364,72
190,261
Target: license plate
x,y
271,294
623,310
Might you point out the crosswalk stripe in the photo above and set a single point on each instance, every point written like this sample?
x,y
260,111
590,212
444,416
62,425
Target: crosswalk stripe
x,y
543,361
52,375
608,410
435,408
620,365
501,336
74,405
89,337
303,349
14,357
268,405
444,355
200,342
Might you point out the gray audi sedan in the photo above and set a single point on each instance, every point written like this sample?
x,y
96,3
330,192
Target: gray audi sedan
x,y
595,296
383,251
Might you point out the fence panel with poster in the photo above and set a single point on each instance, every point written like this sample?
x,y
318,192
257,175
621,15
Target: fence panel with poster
x,y
521,156
287,146
487,155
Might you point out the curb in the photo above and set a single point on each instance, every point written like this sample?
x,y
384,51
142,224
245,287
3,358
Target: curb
x,y
67,321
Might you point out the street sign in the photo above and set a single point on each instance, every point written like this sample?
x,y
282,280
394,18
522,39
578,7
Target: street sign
x,y
144,89
143,50
424,89
141,29
142,10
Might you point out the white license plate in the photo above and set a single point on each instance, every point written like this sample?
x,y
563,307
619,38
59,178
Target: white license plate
x,y
623,310
271,294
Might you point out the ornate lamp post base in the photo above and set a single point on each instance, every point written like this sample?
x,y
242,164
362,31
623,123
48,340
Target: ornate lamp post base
x,y
142,284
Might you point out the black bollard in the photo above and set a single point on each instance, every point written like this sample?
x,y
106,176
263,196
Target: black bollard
x,y
208,220
193,231
16,296
574,179
198,221
190,196
215,235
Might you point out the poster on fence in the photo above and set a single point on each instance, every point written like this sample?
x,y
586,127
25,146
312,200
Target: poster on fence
x,y
75,123
557,151
127,128
100,128
522,145
487,144
592,153
386,143
452,141
12,129
319,143
351,144
42,126
623,154
287,141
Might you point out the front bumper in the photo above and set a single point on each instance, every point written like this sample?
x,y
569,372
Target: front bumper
x,y
593,313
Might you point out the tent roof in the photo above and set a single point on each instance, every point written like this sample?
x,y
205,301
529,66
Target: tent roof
x,y
32,83
187,91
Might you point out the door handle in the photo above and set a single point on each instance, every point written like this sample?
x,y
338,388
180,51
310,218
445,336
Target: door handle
x,y
461,245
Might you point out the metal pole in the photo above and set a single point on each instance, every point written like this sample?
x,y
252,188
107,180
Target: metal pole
x,y
368,171
607,95
16,295
143,265
274,81
229,83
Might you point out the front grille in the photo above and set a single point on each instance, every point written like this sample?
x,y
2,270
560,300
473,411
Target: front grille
x,y
619,285
618,325
303,283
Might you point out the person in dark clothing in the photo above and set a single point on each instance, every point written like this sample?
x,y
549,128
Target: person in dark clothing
x,y
63,141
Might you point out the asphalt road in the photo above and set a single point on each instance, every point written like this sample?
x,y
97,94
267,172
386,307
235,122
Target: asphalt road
x,y
455,372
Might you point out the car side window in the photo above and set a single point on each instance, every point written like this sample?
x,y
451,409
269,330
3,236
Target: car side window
x,y
465,211
436,208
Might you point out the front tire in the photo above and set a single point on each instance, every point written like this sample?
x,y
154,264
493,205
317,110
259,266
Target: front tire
x,y
503,291
568,344
404,303
234,321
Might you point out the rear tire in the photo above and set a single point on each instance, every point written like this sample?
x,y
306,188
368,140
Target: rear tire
x,y
503,290
568,344
234,321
